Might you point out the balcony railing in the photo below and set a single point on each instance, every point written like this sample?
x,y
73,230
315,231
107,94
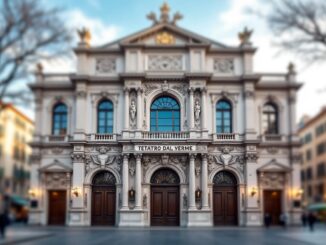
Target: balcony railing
x,y
102,137
228,137
165,135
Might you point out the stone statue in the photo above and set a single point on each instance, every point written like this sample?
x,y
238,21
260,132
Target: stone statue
x,y
245,36
133,111
185,201
197,111
84,35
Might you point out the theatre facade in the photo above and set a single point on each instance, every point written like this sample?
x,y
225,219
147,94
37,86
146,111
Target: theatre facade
x,y
165,127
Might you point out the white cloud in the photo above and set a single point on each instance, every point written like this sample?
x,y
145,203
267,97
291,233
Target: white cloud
x,y
100,31
266,59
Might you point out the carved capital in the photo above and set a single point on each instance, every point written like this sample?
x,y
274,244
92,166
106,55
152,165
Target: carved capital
x,y
138,156
77,157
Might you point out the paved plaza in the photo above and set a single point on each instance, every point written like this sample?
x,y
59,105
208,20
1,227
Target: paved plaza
x,y
158,236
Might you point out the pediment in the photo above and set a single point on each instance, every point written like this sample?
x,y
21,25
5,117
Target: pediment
x,y
164,34
274,166
56,166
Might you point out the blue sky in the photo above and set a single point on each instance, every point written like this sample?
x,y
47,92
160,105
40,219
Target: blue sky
x,y
217,19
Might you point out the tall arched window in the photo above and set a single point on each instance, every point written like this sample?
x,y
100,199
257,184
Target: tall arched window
x,y
270,119
223,117
59,119
105,117
165,115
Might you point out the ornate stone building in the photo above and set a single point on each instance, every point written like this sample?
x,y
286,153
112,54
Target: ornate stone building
x,y
164,127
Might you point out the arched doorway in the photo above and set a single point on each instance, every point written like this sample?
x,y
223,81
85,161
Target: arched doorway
x,y
225,206
103,199
165,198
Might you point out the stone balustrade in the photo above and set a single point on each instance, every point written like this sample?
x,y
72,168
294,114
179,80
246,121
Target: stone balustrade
x,y
166,135
101,137
273,138
56,138
228,137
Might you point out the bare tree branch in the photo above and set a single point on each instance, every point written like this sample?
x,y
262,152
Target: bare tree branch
x,y
300,25
28,32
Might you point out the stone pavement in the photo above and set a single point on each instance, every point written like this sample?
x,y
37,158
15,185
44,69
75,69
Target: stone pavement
x,y
170,236
16,235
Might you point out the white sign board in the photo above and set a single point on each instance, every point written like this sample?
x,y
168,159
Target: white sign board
x,y
165,148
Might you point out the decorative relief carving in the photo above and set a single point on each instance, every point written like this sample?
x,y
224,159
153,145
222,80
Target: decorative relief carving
x,y
225,158
197,169
145,201
272,180
148,88
77,157
133,109
185,201
181,88
165,62
148,160
105,65
223,65
100,157
132,168
57,180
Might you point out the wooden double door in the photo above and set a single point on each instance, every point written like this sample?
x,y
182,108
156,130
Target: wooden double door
x,y
57,207
273,205
225,205
165,202
103,205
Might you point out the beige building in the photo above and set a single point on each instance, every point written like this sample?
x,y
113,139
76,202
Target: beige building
x,y
16,131
313,152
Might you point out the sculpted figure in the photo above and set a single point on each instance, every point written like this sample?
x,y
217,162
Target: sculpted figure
x,y
197,111
133,111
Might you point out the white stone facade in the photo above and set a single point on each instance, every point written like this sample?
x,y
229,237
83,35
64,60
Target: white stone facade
x,y
197,73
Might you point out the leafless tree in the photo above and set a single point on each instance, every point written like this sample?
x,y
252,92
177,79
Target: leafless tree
x,y
29,32
300,25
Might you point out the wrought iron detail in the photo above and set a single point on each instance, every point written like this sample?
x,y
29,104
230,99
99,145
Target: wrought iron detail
x,y
225,178
104,178
165,176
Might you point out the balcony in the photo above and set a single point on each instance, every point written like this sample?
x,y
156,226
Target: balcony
x,y
101,137
273,138
56,138
165,135
228,137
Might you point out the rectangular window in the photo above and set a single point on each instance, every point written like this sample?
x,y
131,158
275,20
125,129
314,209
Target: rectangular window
x,y
308,155
320,129
302,175
309,174
308,138
321,170
321,148
320,190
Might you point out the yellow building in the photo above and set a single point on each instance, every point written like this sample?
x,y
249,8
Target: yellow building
x,y
16,131
313,152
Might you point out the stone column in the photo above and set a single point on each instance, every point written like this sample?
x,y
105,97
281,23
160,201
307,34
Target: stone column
x,y
125,181
203,109
78,178
204,182
138,182
191,109
192,180
250,112
139,108
126,116
213,115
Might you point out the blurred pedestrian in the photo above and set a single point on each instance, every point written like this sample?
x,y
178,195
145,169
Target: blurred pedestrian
x,y
267,220
311,221
4,209
304,219
283,220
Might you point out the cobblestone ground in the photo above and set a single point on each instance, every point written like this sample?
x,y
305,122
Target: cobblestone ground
x,y
171,236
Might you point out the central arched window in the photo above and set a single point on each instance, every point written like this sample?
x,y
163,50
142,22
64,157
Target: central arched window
x,y
165,115
223,117
270,119
59,119
105,117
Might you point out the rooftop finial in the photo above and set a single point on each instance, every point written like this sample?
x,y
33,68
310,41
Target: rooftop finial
x,y
245,36
165,16
84,36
